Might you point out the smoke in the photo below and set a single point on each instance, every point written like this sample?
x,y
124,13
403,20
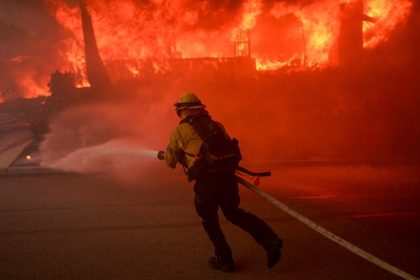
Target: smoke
x,y
121,159
284,117
119,137
30,46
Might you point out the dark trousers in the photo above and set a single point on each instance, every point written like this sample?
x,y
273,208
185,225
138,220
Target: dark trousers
x,y
221,190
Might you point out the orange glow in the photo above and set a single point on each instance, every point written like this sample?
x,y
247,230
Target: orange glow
x,y
263,64
320,27
133,32
252,8
31,87
73,52
133,69
387,14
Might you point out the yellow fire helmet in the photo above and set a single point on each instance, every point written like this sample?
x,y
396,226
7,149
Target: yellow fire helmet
x,y
188,100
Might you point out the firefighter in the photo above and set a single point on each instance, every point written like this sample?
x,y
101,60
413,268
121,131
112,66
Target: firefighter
x,y
215,184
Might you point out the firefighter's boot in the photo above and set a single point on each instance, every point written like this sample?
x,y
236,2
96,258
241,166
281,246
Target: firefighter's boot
x,y
225,264
274,252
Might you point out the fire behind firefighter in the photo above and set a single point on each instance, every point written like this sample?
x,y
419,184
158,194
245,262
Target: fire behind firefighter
x,y
209,156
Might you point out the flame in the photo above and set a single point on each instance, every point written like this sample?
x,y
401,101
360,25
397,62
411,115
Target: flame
x,y
265,64
31,87
133,69
320,23
320,28
72,53
252,8
149,33
387,14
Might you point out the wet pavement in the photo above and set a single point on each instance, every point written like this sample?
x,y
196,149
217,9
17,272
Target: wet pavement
x,y
58,226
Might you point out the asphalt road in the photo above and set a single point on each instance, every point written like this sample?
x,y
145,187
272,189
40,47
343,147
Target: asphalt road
x,y
145,227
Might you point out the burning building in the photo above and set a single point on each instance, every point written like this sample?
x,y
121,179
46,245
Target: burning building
x,y
240,65
138,40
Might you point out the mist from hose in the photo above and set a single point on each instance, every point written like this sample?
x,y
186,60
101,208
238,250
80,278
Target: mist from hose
x,y
119,139
104,157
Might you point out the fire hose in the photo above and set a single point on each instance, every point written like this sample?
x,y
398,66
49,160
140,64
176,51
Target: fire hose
x,y
328,234
241,171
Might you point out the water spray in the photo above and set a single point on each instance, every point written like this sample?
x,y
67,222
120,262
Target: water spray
x,y
127,151
116,150
87,158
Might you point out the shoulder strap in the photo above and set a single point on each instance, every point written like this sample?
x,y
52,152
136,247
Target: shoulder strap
x,y
203,125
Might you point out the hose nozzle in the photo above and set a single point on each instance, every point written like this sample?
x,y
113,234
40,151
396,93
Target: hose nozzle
x,y
161,155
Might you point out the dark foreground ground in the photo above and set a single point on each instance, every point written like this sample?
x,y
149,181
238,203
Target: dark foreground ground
x,y
96,227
